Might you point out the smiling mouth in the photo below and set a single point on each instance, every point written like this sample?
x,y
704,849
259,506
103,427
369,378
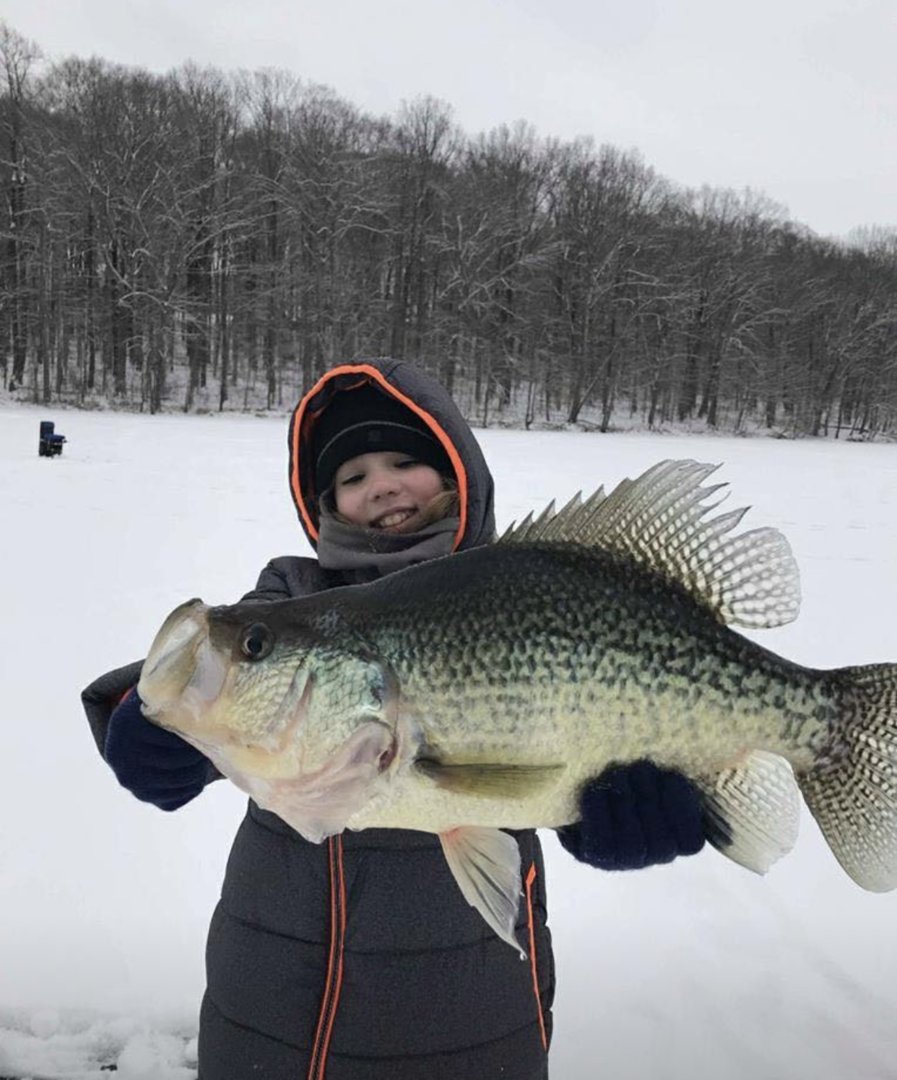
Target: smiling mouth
x,y
393,520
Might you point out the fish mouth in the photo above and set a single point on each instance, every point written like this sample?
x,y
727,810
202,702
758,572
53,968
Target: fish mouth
x,y
182,673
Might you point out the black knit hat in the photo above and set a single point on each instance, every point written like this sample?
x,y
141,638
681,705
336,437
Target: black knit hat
x,y
364,420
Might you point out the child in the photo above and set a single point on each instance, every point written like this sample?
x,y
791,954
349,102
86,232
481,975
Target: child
x,y
359,957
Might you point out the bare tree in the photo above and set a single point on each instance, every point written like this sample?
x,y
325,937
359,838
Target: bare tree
x,y
18,57
217,240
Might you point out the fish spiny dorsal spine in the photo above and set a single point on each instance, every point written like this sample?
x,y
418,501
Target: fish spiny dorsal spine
x,y
661,521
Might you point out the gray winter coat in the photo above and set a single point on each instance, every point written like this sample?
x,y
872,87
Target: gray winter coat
x,y
358,958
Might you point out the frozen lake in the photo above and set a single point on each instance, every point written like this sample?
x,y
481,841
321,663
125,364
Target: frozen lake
x,y
700,969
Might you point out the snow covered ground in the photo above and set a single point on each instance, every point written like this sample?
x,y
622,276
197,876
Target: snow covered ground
x,y
695,970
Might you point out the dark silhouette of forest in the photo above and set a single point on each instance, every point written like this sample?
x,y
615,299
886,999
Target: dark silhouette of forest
x,y
205,239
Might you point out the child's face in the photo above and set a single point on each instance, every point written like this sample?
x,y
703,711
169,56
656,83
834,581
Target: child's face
x,y
385,490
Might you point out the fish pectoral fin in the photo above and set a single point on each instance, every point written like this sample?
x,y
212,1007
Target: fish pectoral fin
x,y
487,779
486,865
752,810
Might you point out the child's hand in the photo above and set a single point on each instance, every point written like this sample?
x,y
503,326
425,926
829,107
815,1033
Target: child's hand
x,y
636,815
155,765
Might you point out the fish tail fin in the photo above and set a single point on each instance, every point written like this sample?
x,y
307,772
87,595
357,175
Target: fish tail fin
x,y
852,790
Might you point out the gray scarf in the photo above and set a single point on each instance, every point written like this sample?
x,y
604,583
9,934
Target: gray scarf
x,y
370,553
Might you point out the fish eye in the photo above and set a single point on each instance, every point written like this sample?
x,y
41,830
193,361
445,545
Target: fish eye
x,y
256,641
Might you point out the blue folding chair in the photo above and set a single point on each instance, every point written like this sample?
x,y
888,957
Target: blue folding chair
x,y
50,443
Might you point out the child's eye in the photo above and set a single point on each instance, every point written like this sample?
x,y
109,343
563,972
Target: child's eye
x,y
407,463
352,478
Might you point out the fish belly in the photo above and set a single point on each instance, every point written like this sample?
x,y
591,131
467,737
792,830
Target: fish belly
x,y
699,731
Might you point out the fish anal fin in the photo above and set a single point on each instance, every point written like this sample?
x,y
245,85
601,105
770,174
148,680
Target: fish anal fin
x,y
486,865
490,780
752,810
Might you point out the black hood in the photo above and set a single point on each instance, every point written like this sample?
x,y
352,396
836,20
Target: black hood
x,y
432,405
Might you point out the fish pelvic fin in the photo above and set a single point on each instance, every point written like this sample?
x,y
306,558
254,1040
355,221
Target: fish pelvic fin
x,y
661,520
852,790
486,865
490,780
752,810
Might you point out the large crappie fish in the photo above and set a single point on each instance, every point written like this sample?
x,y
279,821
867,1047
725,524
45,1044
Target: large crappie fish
x,y
480,691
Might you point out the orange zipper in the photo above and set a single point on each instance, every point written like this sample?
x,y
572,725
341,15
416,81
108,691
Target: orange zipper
x,y
530,879
334,981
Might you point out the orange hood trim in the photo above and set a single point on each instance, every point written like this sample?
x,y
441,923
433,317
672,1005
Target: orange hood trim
x,y
371,374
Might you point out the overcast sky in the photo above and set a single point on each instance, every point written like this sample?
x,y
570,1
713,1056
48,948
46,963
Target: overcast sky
x,y
794,98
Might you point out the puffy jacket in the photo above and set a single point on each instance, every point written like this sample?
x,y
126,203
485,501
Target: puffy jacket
x,y
358,958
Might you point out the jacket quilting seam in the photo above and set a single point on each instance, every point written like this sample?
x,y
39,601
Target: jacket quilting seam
x,y
257,927
210,1001
472,1048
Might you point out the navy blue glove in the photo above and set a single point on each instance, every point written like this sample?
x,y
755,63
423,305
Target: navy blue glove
x,y
636,815
155,765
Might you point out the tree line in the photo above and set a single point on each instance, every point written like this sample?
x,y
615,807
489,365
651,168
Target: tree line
x,y
205,239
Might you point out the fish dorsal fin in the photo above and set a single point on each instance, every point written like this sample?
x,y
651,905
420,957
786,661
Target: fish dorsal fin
x,y
660,520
